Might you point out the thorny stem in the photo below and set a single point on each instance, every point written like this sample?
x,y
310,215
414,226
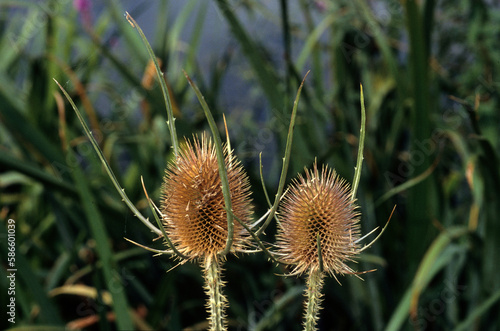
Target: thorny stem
x,y
216,300
313,298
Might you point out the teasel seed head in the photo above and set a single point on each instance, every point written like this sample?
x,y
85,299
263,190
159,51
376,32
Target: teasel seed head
x,y
318,206
193,203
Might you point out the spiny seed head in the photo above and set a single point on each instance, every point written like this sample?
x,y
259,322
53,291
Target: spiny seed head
x,y
193,203
318,205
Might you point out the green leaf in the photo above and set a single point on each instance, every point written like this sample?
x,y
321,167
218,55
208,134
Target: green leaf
x,y
436,258
100,234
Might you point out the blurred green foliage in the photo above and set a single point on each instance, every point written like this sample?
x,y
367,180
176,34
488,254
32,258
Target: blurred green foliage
x,y
430,75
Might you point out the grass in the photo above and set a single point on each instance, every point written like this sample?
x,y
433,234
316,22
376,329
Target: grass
x,y
430,80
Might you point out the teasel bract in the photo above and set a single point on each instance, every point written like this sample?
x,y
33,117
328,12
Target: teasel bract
x,y
318,232
195,218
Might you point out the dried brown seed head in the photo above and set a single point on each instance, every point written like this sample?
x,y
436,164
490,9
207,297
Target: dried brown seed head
x,y
318,205
193,202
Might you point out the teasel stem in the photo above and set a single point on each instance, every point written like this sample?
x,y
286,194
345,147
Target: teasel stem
x,y
313,298
217,302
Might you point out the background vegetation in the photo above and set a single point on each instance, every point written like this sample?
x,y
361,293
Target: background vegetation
x,y
430,74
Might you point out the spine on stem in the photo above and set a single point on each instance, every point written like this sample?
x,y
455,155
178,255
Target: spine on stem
x,y
217,302
313,298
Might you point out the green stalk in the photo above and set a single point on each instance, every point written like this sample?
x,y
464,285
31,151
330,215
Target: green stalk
x,y
99,232
359,162
421,198
216,300
313,301
470,321
440,254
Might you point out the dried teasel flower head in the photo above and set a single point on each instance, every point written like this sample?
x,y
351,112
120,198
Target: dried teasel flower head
x,y
193,203
319,205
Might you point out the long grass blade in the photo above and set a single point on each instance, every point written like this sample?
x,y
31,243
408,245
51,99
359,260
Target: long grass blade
x,y
134,43
9,162
109,266
274,314
439,254
406,185
468,323
24,130
30,282
312,40
422,197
